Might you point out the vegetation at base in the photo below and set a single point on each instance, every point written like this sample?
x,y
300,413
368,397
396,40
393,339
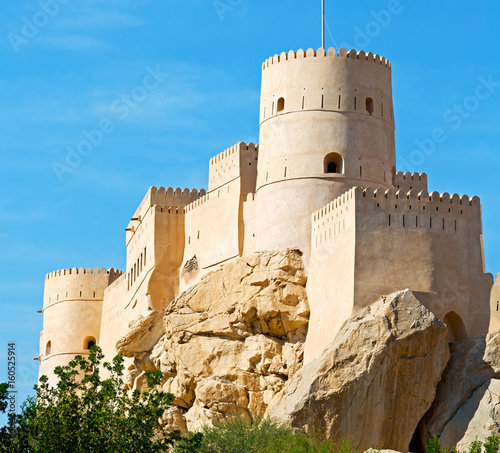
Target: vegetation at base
x,y
490,445
86,413
255,436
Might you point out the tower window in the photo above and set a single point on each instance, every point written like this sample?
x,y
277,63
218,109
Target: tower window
x,y
281,104
89,342
48,348
333,163
369,106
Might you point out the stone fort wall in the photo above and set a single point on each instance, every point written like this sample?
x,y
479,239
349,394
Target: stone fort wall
x,y
392,240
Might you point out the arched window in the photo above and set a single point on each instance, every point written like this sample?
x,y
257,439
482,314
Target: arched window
x,y
456,327
48,348
281,104
334,163
369,105
89,342
332,168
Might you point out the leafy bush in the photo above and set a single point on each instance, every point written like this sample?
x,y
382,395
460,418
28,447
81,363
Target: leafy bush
x,y
85,413
259,436
491,445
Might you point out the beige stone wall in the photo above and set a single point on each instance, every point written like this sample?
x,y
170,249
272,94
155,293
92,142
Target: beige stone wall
x,y
72,310
408,181
215,223
155,249
431,244
495,306
330,285
312,105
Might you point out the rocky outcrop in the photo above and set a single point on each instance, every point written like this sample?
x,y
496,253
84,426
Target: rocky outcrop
x,y
230,342
375,381
477,418
466,403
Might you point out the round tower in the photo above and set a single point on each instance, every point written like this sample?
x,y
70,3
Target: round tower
x,y
326,125
72,309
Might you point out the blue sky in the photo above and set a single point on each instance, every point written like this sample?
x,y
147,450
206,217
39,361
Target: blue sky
x,y
66,73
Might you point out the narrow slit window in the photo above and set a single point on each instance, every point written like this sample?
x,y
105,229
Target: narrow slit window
x,y
369,106
355,103
340,97
281,105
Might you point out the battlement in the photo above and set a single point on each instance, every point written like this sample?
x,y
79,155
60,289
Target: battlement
x,y
331,53
410,181
199,202
238,160
120,280
113,273
398,209
165,197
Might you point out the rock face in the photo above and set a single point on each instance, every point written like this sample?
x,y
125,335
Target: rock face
x,y
375,381
477,418
230,342
467,401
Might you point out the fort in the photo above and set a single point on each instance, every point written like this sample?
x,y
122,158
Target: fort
x,y
323,181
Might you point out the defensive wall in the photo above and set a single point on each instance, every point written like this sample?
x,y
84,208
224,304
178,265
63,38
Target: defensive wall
x,y
154,256
410,181
495,306
430,243
215,223
326,125
239,161
72,309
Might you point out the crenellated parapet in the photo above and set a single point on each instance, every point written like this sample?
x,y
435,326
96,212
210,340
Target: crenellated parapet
x,y
330,53
238,161
81,271
77,284
165,197
410,181
397,209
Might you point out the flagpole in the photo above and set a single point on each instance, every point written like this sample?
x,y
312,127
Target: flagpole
x,y
323,25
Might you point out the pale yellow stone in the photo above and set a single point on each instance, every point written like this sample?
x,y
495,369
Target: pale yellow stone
x,y
375,381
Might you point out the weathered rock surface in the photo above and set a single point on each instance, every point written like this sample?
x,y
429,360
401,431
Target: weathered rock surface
x,y
231,341
469,385
477,418
142,335
375,381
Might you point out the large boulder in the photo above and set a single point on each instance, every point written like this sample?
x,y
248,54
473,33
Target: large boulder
x,y
375,381
465,405
230,342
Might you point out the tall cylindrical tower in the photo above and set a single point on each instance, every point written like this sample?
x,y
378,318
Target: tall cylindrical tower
x,y
326,125
72,308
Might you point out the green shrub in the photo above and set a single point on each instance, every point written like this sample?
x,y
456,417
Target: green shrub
x,y
258,436
491,444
